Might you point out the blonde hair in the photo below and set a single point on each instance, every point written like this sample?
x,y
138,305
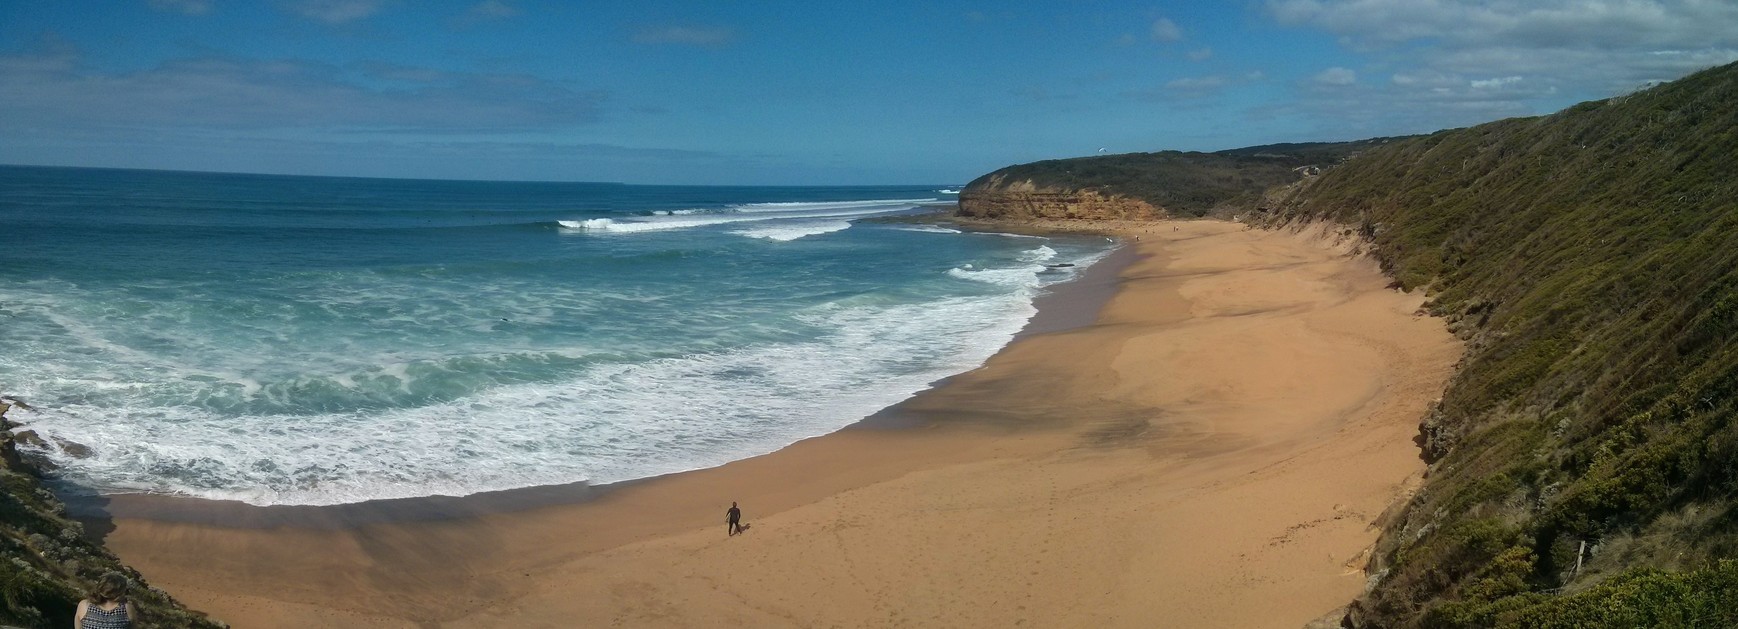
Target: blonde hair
x,y
111,587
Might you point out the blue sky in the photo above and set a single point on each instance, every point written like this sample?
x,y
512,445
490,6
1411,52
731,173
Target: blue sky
x,y
791,92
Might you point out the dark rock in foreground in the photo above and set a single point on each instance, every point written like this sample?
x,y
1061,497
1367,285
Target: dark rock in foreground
x,y
46,561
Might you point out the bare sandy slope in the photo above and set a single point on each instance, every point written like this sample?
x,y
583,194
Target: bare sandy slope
x,y
1212,453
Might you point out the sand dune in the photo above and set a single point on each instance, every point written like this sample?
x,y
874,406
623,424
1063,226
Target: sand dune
x,y
1212,452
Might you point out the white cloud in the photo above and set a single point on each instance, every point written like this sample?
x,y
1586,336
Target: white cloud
x,y
1200,54
1458,62
1337,76
1593,45
1609,24
1197,83
55,90
702,36
361,156
335,11
493,9
1192,88
1485,84
188,7
1165,30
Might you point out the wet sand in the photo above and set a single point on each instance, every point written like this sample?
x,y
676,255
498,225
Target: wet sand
x,y
1213,450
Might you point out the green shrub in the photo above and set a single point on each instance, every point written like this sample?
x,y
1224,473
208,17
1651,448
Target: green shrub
x,y
1591,257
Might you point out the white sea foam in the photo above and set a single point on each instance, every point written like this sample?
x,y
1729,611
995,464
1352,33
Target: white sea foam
x,y
926,229
742,214
792,231
1024,277
1042,253
644,225
595,223
802,206
948,191
615,422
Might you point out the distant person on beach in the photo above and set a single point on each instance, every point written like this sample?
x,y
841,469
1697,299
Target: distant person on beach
x,y
106,607
733,517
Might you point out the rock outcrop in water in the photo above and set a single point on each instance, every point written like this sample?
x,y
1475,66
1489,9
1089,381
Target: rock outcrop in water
x,y
1584,460
48,562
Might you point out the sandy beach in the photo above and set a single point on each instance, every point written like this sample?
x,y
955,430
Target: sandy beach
x,y
1213,450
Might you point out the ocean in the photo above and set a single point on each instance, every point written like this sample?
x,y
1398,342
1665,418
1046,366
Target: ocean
x,y
318,340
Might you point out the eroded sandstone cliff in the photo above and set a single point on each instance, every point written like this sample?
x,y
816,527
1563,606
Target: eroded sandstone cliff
x,y
1001,199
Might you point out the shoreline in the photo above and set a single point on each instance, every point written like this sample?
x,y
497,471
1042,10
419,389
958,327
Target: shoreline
x,y
1071,304
1214,449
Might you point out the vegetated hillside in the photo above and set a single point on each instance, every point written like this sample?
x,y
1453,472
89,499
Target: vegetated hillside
x,y
46,562
1168,182
1591,257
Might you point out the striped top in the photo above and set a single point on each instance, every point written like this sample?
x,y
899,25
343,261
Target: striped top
x,y
96,618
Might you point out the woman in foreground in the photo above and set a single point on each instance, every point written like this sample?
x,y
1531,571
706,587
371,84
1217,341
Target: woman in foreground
x,y
106,607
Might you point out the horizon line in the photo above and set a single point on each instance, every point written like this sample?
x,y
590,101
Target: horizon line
x,y
537,181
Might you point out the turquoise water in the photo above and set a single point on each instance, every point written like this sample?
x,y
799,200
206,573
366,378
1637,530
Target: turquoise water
x,y
303,340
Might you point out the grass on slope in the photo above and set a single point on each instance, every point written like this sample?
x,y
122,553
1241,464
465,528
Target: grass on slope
x,y
1592,258
1183,183
47,564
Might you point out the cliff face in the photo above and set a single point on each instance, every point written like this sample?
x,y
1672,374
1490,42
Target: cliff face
x,y
1000,199
46,561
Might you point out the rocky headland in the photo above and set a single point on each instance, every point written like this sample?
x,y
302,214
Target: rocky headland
x,y
1149,186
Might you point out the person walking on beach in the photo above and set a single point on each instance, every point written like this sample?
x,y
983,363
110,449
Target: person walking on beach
x,y
107,607
733,518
